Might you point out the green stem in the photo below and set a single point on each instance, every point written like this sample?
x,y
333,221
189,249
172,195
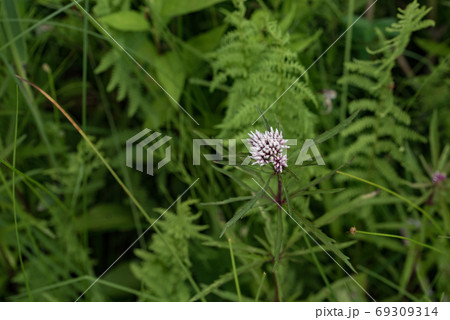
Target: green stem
x,y
27,93
279,233
278,238
19,249
51,82
233,264
412,204
402,238
260,287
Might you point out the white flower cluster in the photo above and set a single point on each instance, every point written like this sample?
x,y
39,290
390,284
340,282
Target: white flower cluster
x,y
268,147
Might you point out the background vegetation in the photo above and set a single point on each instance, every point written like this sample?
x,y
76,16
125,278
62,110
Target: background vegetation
x,y
65,218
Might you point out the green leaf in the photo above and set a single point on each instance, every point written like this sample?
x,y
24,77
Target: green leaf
x,y
234,177
301,42
444,157
241,249
331,133
315,192
245,208
315,233
350,207
433,47
170,8
13,29
227,201
318,180
126,21
327,241
207,41
104,217
171,74
317,249
266,124
224,279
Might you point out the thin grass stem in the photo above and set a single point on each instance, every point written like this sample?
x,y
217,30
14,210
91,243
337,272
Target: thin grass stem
x,y
233,264
19,248
412,204
258,293
402,238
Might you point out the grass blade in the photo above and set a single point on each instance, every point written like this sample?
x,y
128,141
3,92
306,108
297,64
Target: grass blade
x,y
233,264
227,201
412,204
402,238
242,211
258,293
19,249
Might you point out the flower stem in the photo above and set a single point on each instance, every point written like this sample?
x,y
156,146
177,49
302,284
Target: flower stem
x,y
278,237
280,187
279,233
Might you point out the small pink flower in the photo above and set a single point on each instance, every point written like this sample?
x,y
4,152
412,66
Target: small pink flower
x,y
268,147
439,176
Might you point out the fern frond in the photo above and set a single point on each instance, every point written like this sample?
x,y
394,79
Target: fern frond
x,y
360,125
379,137
256,58
361,82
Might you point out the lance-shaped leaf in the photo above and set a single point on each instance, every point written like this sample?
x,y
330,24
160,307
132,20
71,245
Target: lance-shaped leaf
x,y
332,132
266,123
245,208
234,177
227,201
318,180
316,192
315,233
328,135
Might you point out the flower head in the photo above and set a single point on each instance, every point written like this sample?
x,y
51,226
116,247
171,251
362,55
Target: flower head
x,y
439,176
268,147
